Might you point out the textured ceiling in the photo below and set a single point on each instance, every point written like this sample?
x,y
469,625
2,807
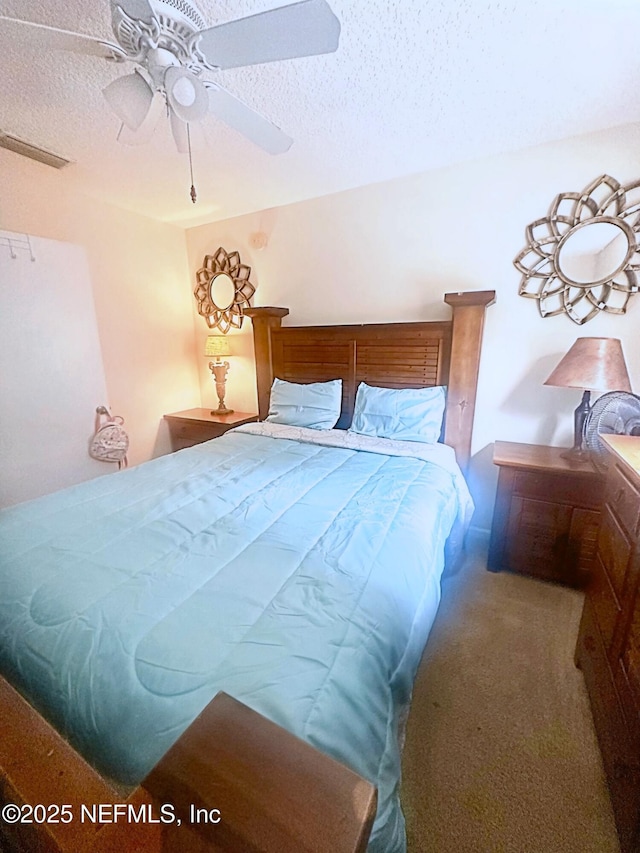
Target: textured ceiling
x,y
414,85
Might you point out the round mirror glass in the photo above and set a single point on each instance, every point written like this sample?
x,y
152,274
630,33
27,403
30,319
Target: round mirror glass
x,y
593,253
223,291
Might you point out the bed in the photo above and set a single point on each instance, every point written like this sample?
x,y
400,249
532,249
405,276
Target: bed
x,y
296,570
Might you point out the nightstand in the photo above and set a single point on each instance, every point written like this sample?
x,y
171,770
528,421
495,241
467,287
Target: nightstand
x,y
547,513
194,426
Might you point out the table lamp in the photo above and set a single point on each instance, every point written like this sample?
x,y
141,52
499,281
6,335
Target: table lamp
x,y
217,346
592,364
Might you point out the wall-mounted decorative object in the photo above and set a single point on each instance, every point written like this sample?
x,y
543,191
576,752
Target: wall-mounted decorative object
x,y
223,290
583,257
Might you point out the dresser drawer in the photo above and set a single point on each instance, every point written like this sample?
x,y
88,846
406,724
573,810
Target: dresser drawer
x,y
181,443
193,426
604,601
538,538
618,748
614,549
624,500
572,490
195,433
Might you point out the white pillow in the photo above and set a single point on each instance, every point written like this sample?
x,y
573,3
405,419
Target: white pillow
x,y
316,405
406,414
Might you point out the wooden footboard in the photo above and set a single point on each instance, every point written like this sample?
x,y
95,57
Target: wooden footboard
x,y
234,782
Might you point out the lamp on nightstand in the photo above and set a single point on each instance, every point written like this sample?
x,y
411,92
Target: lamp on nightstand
x,y
217,346
592,364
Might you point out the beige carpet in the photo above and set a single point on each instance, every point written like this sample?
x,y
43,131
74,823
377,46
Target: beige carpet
x,y
501,755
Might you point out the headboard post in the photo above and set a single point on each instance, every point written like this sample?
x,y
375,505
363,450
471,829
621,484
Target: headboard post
x,y
264,320
468,321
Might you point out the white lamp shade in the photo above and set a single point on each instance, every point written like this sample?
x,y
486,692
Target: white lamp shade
x,y
187,95
130,98
217,345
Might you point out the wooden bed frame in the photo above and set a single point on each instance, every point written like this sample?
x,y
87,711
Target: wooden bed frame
x,y
391,355
274,793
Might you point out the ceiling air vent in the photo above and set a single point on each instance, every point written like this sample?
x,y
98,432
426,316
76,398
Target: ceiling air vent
x,y
19,146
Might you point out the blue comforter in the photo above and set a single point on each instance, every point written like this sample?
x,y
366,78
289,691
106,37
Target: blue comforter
x,y
300,578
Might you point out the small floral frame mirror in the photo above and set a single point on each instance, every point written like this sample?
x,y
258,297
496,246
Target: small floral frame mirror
x,y
584,257
223,290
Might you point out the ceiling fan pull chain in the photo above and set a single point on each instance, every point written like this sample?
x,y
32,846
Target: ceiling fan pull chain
x,y
193,189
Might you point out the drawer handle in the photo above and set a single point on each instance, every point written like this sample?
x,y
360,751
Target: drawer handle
x,y
619,496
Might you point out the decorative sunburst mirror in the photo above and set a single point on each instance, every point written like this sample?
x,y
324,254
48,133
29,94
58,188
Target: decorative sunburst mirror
x,y
584,257
223,290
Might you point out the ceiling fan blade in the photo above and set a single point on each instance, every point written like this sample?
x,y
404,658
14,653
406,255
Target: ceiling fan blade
x,y
186,133
47,38
179,131
247,121
300,29
139,10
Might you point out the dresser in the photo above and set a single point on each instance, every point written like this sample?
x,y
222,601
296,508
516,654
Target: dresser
x,y
546,515
608,649
193,426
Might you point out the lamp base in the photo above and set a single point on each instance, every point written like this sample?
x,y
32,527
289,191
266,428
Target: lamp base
x,y
219,370
576,454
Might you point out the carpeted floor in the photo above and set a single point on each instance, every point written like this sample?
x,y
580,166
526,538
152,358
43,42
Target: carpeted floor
x,y
501,755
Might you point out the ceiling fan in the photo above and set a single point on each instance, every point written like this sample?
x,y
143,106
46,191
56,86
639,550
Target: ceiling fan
x,y
173,49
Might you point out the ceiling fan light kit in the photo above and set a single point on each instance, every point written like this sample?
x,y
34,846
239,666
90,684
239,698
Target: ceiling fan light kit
x,y
130,98
186,94
174,51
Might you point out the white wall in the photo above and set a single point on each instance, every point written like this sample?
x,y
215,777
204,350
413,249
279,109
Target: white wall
x,y
380,253
51,368
389,252
141,288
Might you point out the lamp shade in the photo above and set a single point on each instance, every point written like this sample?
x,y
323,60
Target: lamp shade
x,y
187,95
130,98
593,363
217,345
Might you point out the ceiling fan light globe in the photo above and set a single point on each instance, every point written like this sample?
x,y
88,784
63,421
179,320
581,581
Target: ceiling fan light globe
x,y
143,134
186,94
130,98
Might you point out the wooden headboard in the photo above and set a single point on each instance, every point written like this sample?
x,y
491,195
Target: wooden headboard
x,y
390,355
